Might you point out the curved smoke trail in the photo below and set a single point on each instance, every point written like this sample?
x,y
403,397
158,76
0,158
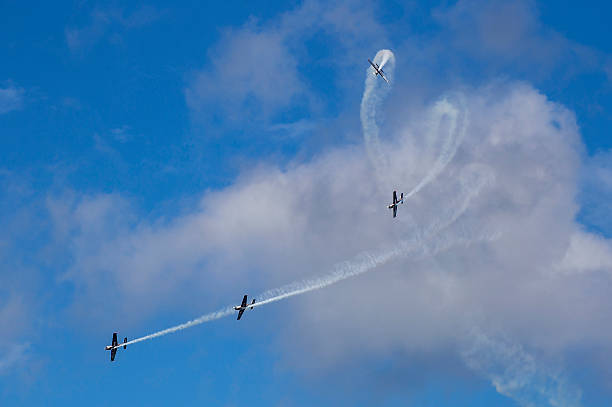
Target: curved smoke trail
x,y
457,125
374,93
367,261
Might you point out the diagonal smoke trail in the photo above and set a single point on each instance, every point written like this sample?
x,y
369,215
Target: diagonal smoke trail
x,y
363,263
197,321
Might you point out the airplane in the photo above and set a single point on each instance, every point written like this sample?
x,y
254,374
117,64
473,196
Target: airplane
x,y
395,202
378,71
114,346
240,308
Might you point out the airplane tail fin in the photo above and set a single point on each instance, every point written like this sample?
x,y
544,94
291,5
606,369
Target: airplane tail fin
x,y
252,302
125,341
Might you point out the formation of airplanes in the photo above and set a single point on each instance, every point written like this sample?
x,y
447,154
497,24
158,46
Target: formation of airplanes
x,y
244,305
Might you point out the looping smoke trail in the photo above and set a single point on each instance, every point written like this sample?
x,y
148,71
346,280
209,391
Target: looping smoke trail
x,y
374,93
458,120
363,263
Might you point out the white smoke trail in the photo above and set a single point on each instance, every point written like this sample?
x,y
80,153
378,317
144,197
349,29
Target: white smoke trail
x,y
457,125
385,56
363,263
518,374
197,321
373,94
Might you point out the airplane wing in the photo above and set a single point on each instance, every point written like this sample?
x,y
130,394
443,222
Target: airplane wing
x,y
395,211
394,197
244,300
240,313
382,75
114,344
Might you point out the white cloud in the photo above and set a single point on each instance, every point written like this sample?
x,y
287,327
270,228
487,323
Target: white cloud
x,y
11,98
253,74
272,227
11,355
105,20
506,32
587,252
517,374
13,318
249,68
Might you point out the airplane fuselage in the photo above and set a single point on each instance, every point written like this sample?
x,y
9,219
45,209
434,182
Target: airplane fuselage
x,y
238,307
378,71
243,306
394,205
115,345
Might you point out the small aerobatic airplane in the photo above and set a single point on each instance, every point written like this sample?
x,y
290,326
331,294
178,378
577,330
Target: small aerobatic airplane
x,y
114,346
240,308
395,202
378,71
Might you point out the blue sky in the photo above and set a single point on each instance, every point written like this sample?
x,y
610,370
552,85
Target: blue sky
x,y
161,160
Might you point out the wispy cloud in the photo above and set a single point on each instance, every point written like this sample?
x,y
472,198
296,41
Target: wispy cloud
x,y
295,129
504,33
109,20
13,316
518,374
253,74
11,355
11,98
249,67
122,134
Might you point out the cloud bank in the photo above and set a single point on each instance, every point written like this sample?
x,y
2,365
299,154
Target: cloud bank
x,y
513,305
534,282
